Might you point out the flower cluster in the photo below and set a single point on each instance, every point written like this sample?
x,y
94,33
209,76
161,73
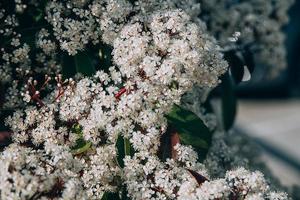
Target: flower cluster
x,y
124,101
76,23
149,178
237,184
28,173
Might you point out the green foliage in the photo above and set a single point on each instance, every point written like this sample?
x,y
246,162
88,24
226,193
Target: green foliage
x,y
84,64
236,63
115,196
229,102
68,65
191,129
110,196
105,56
81,145
124,149
239,61
80,63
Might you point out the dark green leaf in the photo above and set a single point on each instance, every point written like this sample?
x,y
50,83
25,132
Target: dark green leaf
x,y
236,64
229,102
68,65
76,128
249,59
80,63
193,140
81,145
125,194
110,196
84,64
105,56
124,149
191,129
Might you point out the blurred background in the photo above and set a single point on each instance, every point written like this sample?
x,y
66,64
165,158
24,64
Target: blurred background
x,y
269,112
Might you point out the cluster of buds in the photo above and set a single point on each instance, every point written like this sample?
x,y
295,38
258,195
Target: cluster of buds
x,y
62,85
32,93
33,90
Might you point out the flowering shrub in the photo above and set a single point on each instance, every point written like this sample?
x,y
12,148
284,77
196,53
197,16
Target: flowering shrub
x,y
109,99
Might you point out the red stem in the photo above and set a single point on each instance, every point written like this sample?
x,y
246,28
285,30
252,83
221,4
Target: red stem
x,y
120,93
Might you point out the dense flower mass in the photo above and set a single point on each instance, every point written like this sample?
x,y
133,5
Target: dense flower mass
x,y
236,184
76,23
101,136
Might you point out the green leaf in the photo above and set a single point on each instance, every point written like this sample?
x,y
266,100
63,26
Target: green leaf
x,y
84,64
68,65
241,64
229,102
194,140
236,64
249,59
81,145
124,149
110,196
105,56
76,128
80,63
38,15
191,129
